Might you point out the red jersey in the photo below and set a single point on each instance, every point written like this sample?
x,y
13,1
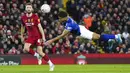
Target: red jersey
x,y
31,24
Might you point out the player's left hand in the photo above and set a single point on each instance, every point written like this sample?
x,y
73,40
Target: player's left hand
x,y
48,42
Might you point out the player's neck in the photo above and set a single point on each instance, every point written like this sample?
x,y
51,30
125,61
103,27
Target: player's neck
x,y
29,14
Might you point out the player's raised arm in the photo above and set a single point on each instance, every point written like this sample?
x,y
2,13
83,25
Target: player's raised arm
x,y
63,16
65,32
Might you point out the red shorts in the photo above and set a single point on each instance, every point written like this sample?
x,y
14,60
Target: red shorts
x,y
34,41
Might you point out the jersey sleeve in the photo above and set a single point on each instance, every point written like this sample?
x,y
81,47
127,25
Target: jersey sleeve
x,y
37,19
68,27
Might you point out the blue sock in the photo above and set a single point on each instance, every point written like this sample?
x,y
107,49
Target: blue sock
x,y
106,37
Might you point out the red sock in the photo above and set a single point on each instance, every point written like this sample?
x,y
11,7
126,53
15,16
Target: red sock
x,y
46,58
31,51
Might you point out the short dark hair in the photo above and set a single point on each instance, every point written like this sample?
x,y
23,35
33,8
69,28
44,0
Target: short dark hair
x,y
28,4
62,14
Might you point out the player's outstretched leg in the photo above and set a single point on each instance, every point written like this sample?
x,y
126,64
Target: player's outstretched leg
x,y
111,36
45,57
85,33
106,37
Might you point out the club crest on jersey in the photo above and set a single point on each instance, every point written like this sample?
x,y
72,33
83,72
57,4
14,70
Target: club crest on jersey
x,y
68,28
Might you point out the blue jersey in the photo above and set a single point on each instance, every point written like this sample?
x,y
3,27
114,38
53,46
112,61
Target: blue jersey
x,y
72,26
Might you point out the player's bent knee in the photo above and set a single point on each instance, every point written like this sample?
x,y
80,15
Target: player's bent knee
x,y
26,50
41,53
95,36
40,50
26,47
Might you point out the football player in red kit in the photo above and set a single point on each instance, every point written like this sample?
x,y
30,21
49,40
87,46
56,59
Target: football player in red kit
x,y
36,35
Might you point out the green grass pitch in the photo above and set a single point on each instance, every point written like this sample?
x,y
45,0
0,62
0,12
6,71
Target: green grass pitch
x,y
91,68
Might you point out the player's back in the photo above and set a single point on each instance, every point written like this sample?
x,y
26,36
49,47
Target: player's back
x,y
31,24
72,26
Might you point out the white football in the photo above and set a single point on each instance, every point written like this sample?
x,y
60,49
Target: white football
x,y
45,8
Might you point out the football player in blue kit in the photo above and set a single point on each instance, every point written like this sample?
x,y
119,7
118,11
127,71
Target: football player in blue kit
x,y
79,30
